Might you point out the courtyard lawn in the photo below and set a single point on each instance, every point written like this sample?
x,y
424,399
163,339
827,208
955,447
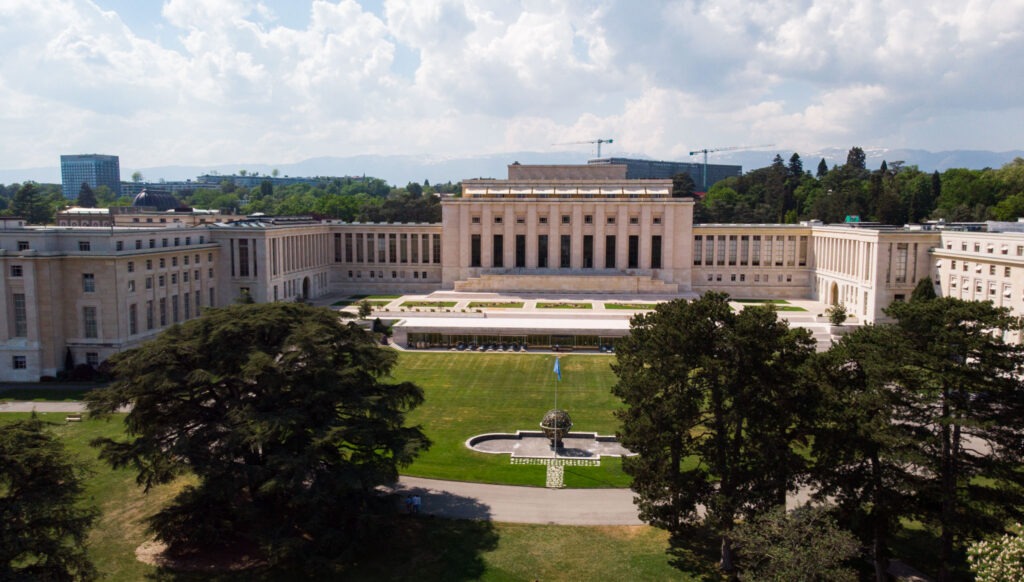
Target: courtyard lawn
x,y
563,305
632,306
469,394
428,304
423,549
496,304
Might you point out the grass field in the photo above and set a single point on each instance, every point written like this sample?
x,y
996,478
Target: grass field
x,y
496,304
633,306
469,394
422,549
428,304
563,305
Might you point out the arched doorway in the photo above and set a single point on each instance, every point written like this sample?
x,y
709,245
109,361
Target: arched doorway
x,y
834,296
305,288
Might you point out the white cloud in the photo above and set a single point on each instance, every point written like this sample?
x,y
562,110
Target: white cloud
x,y
230,82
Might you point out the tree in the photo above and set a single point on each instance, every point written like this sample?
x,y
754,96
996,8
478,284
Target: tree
x,y
280,412
999,559
86,197
43,527
796,167
365,309
803,544
964,387
275,172
28,203
856,159
683,186
822,168
924,291
136,176
700,380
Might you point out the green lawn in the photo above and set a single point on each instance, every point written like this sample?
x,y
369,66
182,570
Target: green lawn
x,y
470,394
775,301
46,392
496,304
563,305
428,304
632,306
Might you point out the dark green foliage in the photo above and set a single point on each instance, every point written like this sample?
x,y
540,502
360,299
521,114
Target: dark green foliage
x,y
42,527
856,159
683,186
804,544
86,197
280,411
822,168
700,379
907,410
924,291
30,204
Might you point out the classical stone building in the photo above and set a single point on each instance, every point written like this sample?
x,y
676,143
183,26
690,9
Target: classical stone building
x,y
91,291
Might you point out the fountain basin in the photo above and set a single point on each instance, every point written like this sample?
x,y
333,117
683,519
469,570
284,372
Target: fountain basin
x,y
535,444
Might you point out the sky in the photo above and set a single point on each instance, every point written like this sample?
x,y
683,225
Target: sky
x,y
194,82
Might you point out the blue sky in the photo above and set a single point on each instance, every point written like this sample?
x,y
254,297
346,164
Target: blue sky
x,y
202,82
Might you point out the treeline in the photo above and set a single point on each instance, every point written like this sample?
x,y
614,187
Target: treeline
x,y
348,199
896,194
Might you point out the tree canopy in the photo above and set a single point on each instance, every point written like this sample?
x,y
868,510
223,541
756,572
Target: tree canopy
x,y
43,527
283,415
713,404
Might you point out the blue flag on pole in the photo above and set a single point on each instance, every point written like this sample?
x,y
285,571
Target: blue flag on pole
x,y
558,370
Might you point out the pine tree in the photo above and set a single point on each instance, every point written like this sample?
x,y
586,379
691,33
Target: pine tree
x,y
86,197
822,168
29,204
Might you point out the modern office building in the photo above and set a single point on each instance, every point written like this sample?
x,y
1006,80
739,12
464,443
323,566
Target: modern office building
x,y
91,291
93,169
659,170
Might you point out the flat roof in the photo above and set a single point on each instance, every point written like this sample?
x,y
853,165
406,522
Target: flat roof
x,y
486,324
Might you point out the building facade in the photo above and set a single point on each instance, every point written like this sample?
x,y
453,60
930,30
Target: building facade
x,y
93,169
87,289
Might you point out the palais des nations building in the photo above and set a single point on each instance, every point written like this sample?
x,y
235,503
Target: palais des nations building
x,y
86,289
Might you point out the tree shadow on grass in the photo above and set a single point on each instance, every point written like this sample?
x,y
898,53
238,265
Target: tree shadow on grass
x,y
696,549
419,547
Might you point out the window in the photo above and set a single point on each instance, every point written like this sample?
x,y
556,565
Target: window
x,y
163,263
544,220
657,220
542,251
174,308
149,282
119,245
88,283
656,252
84,245
187,304
131,266
20,316
19,362
634,220
977,247
138,244
475,220
209,257
163,242
991,269
474,250
611,220
498,220
609,251
174,278
520,220
92,359
565,252
210,273
133,320
16,270
161,280
520,254
23,245
184,277
1006,271
149,315
588,251
131,285
89,322
185,259
163,311
588,219
634,252
498,251
243,257
952,264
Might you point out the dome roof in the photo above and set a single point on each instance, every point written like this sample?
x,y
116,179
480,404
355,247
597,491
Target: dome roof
x,y
159,199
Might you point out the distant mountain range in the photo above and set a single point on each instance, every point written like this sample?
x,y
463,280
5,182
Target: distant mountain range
x,y
402,169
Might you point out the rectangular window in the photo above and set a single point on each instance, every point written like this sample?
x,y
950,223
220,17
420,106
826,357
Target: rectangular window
x,y
474,220
1006,271
565,219
19,362
802,257
163,263
88,283
382,249
588,219
720,246
89,325
20,316
755,251
901,262
403,248
474,250
16,271
414,249
213,297
634,252
138,244
393,248
149,315
131,266
23,245
778,251
588,251
790,251
520,251
732,250
131,285
609,251
243,257
84,245
163,311
161,280
133,320
498,250
709,251
656,251
187,305
174,261
184,277
498,219
610,220
543,220
198,302
542,251
565,252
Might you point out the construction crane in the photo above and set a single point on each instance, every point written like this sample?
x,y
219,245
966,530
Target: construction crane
x,y
597,141
707,151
